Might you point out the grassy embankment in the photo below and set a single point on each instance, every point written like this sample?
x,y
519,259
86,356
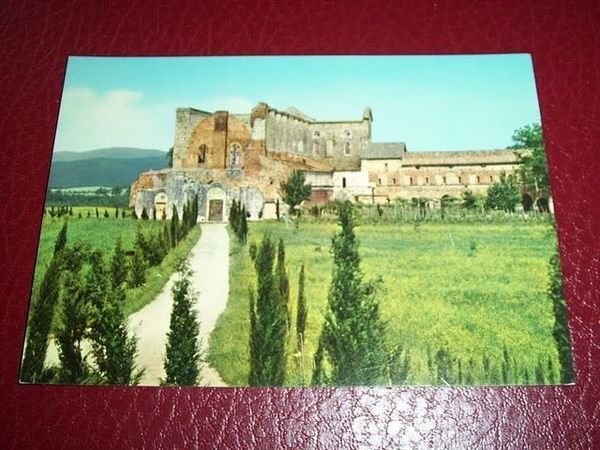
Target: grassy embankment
x,y
476,286
101,233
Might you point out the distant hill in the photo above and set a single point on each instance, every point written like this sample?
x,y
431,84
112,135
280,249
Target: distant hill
x,y
102,171
111,153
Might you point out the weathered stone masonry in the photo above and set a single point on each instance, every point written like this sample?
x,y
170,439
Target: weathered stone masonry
x,y
219,157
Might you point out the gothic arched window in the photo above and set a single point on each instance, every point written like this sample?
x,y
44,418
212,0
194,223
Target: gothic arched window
x,y
234,154
202,154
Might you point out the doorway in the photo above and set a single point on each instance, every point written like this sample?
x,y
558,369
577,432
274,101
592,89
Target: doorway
x,y
215,211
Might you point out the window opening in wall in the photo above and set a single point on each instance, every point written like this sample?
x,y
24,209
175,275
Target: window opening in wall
x,y
410,180
347,134
386,166
426,180
202,154
491,179
346,148
460,180
379,181
478,179
444,180
344,182
394,180
234,155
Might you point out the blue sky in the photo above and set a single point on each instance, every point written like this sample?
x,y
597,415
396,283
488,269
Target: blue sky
x,y
428,102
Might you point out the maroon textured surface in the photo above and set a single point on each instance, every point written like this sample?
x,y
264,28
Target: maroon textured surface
x,y
564,38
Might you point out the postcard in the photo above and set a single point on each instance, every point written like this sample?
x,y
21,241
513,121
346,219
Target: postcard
x,y
298,221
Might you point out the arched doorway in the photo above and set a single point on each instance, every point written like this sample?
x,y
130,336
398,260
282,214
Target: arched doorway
x,y
160,205
527,202
215,204
542,205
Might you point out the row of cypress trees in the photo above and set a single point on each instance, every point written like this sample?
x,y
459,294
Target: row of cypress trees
x,y
353,348
81,297
80,286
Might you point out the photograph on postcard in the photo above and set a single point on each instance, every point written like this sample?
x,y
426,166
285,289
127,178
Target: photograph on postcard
x,y
298,221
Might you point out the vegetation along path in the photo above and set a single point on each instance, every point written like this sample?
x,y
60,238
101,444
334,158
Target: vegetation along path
x,y
209,259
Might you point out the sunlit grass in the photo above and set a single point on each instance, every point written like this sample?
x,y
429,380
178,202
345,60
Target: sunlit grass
x,y
476,287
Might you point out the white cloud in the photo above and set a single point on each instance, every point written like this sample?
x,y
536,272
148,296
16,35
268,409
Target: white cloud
x,y
90,119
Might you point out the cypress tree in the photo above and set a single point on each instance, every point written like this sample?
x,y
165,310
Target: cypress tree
x,y
398,366
506,367
166,237
302,311
61,240
74,321
183,348
97,214
469,376
283,282
267,323
106,215
444,365
137,269
174,228
243,227
40,321
113,350
116,212
231,215
118,265
353,333
42,313
560,331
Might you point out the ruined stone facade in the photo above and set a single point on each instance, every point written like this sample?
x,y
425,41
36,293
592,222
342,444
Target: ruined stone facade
x,y
219,157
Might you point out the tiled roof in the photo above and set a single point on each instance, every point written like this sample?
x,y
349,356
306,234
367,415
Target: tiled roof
x,y
462,157
384,150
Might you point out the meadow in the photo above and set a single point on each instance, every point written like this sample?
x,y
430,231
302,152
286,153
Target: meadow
x,y
101,233
479,290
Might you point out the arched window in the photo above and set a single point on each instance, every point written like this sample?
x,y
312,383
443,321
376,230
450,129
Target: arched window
x,y
202,150
347,148
234,155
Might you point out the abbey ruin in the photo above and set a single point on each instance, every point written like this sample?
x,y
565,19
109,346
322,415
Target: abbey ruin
x,y
220,156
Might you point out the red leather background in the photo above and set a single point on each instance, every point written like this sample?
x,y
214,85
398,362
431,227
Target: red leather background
x,y
564,38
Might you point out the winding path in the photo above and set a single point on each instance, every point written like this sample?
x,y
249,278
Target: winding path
x,y
209,259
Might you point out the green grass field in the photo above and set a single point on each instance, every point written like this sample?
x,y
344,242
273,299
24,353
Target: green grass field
x,y
476,287
101,233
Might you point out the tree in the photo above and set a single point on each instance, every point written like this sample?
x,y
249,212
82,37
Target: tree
x,y
302,311
469,201
294,190
503,195
169,157
532,172
560,331
174,228
353,335
137,269
40,321
113,350
73,320
183,348
268,325
118,265
61,240
283,282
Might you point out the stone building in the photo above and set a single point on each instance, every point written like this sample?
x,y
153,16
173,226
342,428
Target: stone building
x,y
219,157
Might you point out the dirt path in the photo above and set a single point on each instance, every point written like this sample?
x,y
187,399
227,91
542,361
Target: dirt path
x,y
209,259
